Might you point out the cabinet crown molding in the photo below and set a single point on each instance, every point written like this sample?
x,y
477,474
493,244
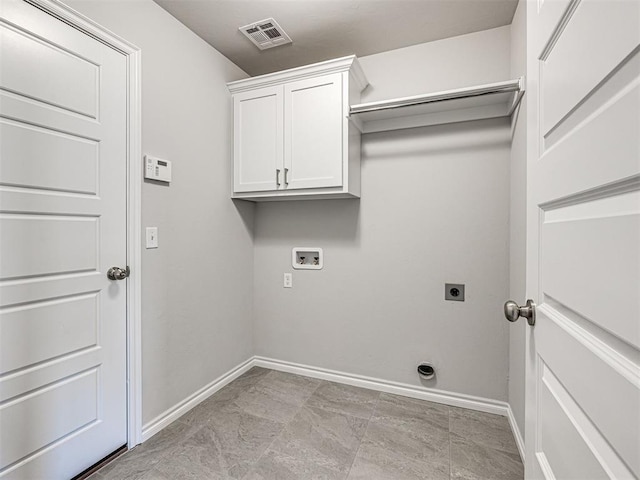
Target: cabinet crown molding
x,y
344,64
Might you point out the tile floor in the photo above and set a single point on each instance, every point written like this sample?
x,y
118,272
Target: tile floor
x,y
273,425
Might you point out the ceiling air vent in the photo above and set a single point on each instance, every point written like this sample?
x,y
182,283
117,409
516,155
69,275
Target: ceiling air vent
x,y
266,34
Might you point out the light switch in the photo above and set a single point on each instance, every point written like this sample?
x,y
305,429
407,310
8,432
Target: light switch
x,y
152,237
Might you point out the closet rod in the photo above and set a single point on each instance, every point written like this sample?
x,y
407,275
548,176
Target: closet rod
x,y
470,92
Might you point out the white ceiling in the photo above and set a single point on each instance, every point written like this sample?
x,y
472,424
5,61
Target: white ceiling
x,y
326,29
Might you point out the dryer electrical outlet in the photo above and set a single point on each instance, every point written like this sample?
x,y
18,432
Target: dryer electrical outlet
x,y
454,292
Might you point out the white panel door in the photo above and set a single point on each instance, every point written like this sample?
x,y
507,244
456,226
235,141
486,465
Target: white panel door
x,y
62,225
314,116
583,239
257,139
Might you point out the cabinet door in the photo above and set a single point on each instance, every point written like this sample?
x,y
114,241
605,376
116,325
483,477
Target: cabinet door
x,y
313,129
257,139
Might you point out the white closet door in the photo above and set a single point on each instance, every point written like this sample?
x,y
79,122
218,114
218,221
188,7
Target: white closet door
x,y
314,117
583,239
257,139
62,225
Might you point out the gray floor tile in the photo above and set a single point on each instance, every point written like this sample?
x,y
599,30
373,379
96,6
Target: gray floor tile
x,y
269,425
200,414
278,396
248,379
321,438
483,428
155,475
405,412
469,460
279,466
225,447
253,373
335,397
301,387
225,396
134,464
199,457
389,451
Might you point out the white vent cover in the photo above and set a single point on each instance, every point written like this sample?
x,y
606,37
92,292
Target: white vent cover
x,y
266,34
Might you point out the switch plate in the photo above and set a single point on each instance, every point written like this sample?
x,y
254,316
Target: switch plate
x,y
454,292
288,280
152,237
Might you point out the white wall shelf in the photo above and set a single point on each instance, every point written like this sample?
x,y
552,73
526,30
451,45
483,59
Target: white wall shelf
x,y
471,103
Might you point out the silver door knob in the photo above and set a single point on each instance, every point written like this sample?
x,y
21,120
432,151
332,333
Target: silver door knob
x,y
512,311
117,273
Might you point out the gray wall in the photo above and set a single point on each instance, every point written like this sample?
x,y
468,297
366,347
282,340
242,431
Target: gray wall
x,y
456,62
196,292
434,209
517,223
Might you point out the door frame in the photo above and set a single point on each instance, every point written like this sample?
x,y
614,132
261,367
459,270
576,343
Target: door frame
x,y
132,55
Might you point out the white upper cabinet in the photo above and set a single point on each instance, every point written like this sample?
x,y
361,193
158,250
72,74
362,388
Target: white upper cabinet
x,y
257,139
313,124
292,134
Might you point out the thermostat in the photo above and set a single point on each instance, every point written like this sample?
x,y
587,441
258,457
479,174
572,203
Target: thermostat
x,y
157,169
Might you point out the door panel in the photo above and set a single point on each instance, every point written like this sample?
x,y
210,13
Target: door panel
x,y
257,139
62,225
49,371
73,239
575,247
39,158
45,330
583,56
570,442
313,132
583,249
51,412
25,57
614,128
597,376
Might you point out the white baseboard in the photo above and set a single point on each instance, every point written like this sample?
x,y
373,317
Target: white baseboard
x,y
516,433
430,394
175,412
422,393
